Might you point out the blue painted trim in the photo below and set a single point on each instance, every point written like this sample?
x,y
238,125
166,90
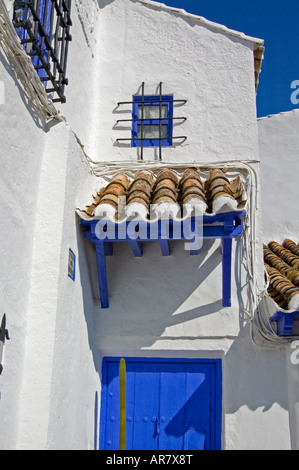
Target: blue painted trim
x,y
74,272
226,271
103,410
22,32
217,415
135,124
285,322
101,266
225,226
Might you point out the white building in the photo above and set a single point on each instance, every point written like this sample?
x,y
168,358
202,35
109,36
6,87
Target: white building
x,y
205,365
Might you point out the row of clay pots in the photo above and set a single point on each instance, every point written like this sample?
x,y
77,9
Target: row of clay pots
x,y
118,187
291,273
146,188
219,185
281,284
191,186
285,254
166,187
290,245
141,188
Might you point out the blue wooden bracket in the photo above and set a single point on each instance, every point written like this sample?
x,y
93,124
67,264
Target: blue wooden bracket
x,y
285,322
224,226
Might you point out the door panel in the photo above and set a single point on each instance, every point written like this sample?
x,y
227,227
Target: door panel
x,y
171,404
145,435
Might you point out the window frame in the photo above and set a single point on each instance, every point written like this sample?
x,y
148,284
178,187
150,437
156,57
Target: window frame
x,y
153,100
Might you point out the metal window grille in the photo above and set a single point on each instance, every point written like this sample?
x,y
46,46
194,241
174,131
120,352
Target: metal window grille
x,y
44,29
143,122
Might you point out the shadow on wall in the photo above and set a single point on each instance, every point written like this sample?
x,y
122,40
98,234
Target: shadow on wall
x,y
254,377
104,3
96,421
151,294
148,292
88,306
251,378
88,300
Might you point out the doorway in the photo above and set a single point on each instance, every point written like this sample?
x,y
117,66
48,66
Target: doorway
x,y
171,404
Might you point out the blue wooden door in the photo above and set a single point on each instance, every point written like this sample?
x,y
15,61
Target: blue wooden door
x,y
171,404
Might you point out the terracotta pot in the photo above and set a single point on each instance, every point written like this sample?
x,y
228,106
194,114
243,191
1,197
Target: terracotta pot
x,y
162,199
110,199
147,176
139,200
168,174
194,191
164,193
290,245
137,194
285,254
122,179
221,193
222,182
115,188
167,184
191,173
141,185
189,182
218,173
193,196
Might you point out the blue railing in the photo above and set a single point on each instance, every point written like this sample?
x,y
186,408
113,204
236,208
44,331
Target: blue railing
x,y
104,233
44,30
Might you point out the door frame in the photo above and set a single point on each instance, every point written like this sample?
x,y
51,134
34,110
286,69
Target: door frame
x,y
218,388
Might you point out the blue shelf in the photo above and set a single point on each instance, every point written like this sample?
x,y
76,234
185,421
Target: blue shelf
x,y
103,234
285,322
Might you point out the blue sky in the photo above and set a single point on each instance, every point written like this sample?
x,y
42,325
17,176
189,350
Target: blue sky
x,y
275,21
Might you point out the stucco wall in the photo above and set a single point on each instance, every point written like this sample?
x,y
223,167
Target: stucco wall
x,y
44,172
52,380
279,148
57,410
133,42
171,307
21,150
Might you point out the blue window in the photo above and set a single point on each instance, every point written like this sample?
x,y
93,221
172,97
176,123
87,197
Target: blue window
x,y
44,30
152,121
171,404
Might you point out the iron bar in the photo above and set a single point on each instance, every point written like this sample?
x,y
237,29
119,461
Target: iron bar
x,y
144,100
49,36
152,138
142,118
151,119
160,123
151,101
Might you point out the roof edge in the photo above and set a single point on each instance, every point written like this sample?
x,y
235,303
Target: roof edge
x,y
199,19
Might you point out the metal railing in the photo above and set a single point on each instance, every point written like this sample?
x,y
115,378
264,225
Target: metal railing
x,y
159,100
44,30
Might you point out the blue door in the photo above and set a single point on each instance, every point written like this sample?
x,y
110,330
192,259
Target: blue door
x,y
170,404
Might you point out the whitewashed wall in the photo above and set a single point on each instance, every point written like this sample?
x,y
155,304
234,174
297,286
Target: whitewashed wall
x,y
171,307
134,42
22,144
279,150
51,385
57,409
279,147
51,355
